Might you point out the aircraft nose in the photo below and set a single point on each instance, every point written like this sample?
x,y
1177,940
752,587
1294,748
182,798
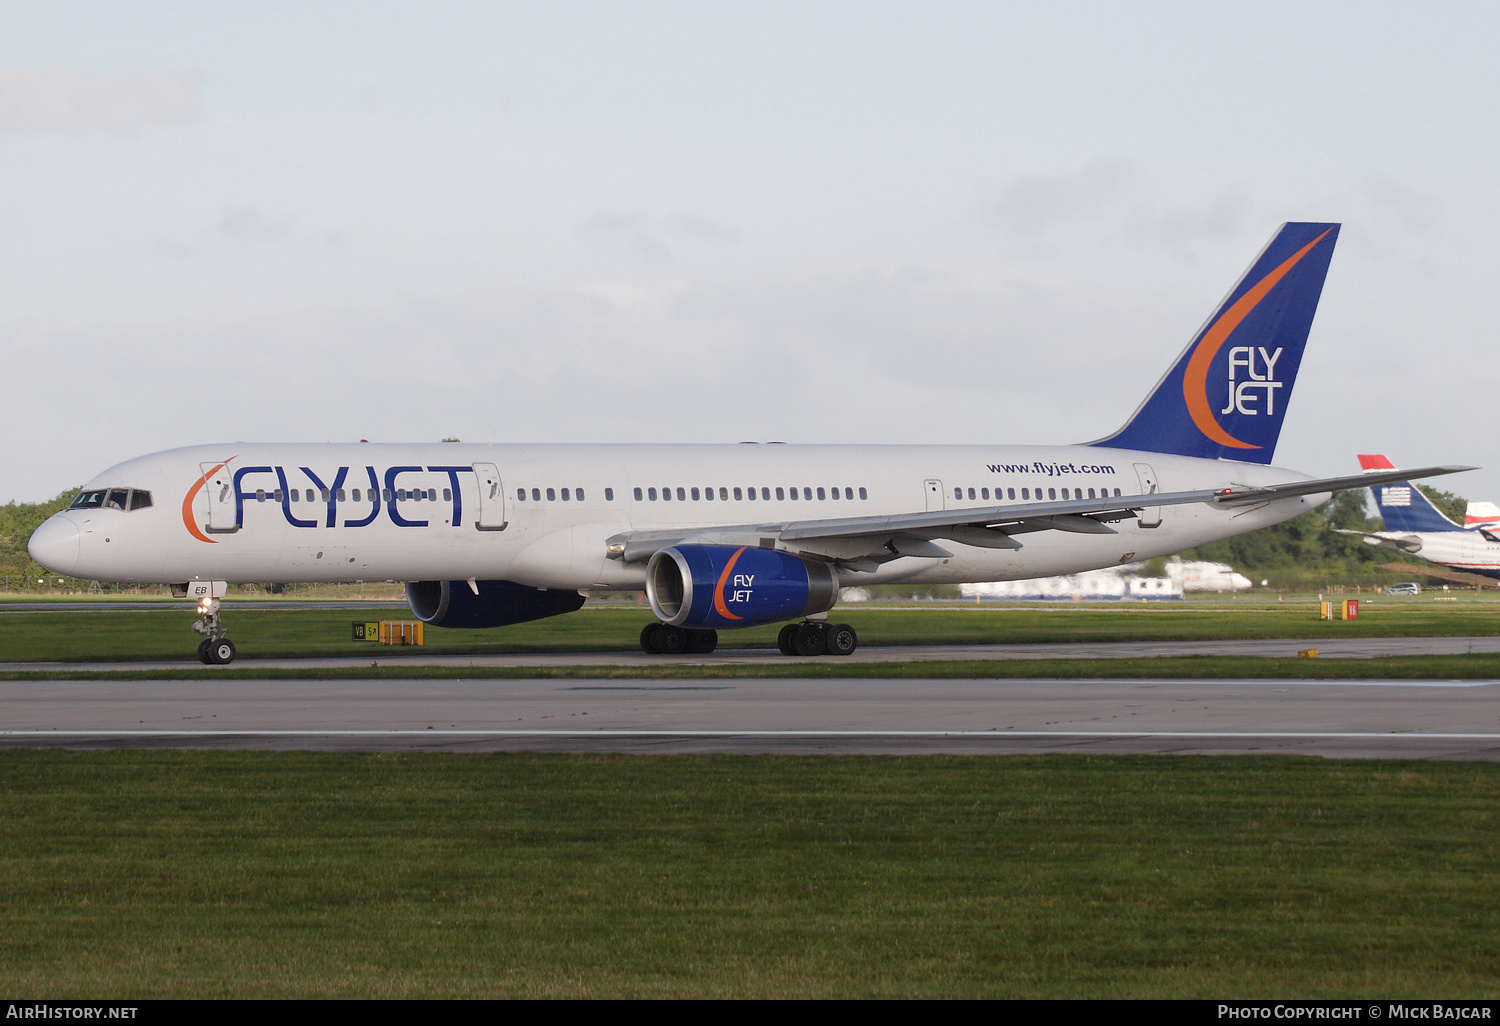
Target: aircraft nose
x,y
55,545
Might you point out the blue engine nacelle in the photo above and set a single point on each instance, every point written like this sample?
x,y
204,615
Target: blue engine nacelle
x,y
454,603
728,586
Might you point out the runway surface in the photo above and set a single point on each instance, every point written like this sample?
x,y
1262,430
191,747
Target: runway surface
x,y
1350,719
1328,648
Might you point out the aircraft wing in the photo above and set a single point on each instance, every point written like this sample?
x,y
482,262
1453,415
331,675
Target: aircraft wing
x,y
866,542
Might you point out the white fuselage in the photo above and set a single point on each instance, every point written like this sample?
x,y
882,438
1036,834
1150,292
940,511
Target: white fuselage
x,y
215,516
1468,551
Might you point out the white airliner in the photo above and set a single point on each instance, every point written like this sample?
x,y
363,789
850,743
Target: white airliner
x,y
726,536
1413,525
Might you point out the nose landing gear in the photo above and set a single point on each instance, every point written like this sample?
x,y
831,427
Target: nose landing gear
x,y
215,649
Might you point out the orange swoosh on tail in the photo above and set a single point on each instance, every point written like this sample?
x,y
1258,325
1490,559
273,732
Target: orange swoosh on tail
x,y
1195,378
187,504
719,606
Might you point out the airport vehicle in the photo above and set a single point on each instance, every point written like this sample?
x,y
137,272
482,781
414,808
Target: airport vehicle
x,y
1404,588
727,536
1415,527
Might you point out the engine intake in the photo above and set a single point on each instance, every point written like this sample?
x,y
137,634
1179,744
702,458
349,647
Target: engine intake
x,y
498,603
726,586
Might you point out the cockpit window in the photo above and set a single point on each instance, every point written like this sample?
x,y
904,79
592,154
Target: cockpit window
x,y
112,498
89,500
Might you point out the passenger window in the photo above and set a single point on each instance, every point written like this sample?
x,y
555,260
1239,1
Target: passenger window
x,y
666,495
833,493
140,500
1011,493
609,495
739,496
551,494
296,495
807,494
862,494
341,496
638,495
958,493
1051,493
536,495
820,493
1091,493
323,494
971,493
260,495
708,493
520,495
652,492
1117,491
356,495
984,493
765,495
780,494
793,493
681,495
1026,493
578,494
695,495
724,494
566,496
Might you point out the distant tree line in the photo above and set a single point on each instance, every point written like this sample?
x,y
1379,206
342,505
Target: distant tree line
x,y
17,521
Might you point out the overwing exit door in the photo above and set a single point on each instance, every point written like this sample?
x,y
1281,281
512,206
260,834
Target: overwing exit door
x,y
934,490
491,498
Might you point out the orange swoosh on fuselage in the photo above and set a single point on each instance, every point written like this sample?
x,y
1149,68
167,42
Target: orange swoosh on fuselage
x,y
1195,378
187,504
719,606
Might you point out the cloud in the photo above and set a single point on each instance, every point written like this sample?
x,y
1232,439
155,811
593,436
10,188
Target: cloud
x,y
251,224
657,237
1032,205
1411,210
58,99
1175,226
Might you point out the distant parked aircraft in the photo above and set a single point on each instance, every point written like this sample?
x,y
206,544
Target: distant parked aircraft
x,y
1414,526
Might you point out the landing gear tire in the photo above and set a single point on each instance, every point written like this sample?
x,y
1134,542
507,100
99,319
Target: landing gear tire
x,y
221,652
651,639
786,640
810,639
203,651
672,640
842,640
702,642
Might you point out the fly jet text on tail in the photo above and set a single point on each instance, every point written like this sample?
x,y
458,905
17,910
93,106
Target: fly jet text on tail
x,y
728,536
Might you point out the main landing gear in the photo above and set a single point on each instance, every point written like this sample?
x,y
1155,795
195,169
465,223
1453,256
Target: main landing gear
x,y
816,637
664,639
215,649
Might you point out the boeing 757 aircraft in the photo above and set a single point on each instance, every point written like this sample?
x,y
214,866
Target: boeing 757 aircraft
x,y
727,536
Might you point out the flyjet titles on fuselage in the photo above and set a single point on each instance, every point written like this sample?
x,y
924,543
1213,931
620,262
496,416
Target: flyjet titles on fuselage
x,y
365,494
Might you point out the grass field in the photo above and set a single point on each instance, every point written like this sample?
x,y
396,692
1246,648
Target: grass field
x,y
163,874
164,634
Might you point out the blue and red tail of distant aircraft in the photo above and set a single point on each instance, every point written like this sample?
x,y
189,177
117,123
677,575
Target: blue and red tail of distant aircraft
x,y
1227,394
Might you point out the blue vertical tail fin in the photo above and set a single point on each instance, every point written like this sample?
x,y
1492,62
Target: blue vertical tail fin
x,y
1227,393
1402,505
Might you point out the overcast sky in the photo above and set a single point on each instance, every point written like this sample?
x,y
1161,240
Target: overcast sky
x,y
812,222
